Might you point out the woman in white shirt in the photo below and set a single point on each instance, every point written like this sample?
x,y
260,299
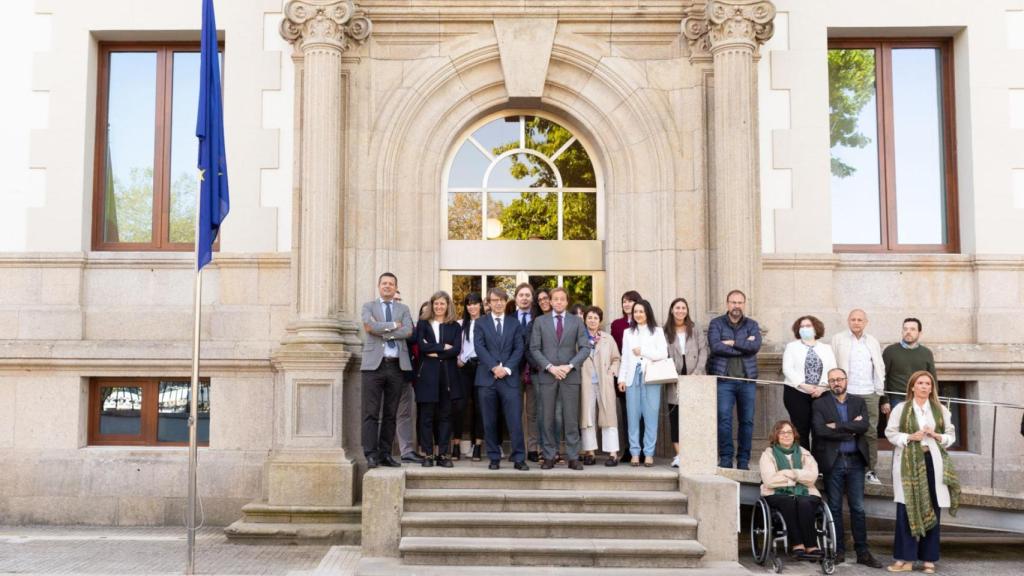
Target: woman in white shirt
x,y
642,343
805,364
923,478
689,352
472,308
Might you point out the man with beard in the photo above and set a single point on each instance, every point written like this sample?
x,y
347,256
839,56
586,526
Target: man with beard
x,y
840,421
735,341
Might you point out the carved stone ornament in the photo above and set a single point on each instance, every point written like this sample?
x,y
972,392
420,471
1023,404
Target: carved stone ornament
x,y
335,23
728,23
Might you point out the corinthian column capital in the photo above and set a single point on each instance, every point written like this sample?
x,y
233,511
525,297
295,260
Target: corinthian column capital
x,y
740,22
727,24
324,23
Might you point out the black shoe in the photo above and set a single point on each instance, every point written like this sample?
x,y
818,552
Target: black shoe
x,y
387,460
533,456
476,452
548,464
456,452
743,466
841,557
724,464
427,463
868,560
589,460
494,465
371,461
413,458
611,461
575,465
444,462
521,466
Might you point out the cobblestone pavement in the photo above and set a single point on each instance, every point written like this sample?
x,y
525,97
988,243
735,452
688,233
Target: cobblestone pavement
x,y
106,550
125,551
966,556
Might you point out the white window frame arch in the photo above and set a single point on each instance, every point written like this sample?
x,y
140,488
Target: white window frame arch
x,y
523,257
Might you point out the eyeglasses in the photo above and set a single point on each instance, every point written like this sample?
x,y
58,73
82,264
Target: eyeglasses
x,y
836,381
788,432
496,300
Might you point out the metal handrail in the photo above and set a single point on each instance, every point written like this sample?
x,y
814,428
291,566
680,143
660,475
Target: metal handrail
x,y
946,399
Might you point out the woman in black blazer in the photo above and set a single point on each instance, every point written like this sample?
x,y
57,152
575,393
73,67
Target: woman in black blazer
x,y
439,339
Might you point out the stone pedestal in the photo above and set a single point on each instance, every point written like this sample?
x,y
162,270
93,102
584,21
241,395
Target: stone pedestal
x,y
308,477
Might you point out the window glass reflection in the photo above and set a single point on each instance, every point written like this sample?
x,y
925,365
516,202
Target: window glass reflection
x,y
184,146
463,286
522,216
465,215
575,167
499,135
920,169
522,171
121,410
468,167
579,215
173,411
854,139
131,133
580,289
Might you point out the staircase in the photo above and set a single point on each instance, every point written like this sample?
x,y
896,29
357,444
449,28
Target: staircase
x,y
610,518
296,524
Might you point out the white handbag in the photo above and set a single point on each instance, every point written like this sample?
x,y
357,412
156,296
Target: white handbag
x,y
661,372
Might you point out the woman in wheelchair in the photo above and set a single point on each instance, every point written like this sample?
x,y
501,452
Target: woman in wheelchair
x,y
788,474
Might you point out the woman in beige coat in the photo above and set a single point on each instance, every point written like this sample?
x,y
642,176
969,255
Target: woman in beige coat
x,y
597,391
688,348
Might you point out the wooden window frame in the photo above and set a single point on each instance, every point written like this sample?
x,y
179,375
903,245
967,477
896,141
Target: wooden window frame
x,y
149,416
162,147
888,225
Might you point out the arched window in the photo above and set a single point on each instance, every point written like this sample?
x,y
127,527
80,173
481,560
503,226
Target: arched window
x,y
527,178
522,178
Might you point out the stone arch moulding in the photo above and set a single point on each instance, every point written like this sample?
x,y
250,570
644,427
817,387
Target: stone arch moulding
x,y
607,104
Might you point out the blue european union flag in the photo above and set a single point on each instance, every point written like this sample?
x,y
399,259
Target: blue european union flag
x,y
213,164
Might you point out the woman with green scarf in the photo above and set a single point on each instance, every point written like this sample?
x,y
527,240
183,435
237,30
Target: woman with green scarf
x,y
788,473
923,478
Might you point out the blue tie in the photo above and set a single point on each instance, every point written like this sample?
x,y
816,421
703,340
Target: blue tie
x,y
389,318
499,327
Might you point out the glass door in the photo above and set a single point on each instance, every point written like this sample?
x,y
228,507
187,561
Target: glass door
x,y
584,288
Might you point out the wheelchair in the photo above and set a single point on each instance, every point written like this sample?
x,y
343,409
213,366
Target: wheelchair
x,y
768,534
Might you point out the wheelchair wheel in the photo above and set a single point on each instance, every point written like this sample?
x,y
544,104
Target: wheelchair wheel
x,y
760,531
828,566
826,529
776,564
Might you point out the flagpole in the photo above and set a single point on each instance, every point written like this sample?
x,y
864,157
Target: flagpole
x,y
193,450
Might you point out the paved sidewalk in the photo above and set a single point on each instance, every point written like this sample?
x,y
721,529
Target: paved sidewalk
x,y
162,550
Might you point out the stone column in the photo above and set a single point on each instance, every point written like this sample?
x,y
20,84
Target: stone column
x,y
730,32
308,466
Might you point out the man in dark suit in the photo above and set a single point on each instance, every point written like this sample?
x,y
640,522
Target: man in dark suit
x,y
840,421
559,345
499,347
524,309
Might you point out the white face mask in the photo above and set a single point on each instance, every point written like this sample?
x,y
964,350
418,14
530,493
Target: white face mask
x,y
806,333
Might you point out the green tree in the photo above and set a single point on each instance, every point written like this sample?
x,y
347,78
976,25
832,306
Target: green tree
x,y
464,214
183,208
134,203
851,86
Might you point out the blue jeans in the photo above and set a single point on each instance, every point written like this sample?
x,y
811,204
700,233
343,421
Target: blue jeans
x,y
847,478
642,400
741,395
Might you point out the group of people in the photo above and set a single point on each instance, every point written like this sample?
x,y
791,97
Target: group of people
x,y
531,360
835,396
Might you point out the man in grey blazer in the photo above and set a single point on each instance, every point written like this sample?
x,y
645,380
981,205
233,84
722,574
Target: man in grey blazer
x,y
387,324
559,346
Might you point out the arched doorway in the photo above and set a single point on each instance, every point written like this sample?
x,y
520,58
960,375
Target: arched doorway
x,y
523,202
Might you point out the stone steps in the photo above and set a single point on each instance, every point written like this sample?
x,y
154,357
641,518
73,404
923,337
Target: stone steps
x,y
536,479
394,567
569,501
288,533
549,525
262,522
551,552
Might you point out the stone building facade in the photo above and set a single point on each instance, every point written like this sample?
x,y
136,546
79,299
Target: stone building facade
x,y
706,124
